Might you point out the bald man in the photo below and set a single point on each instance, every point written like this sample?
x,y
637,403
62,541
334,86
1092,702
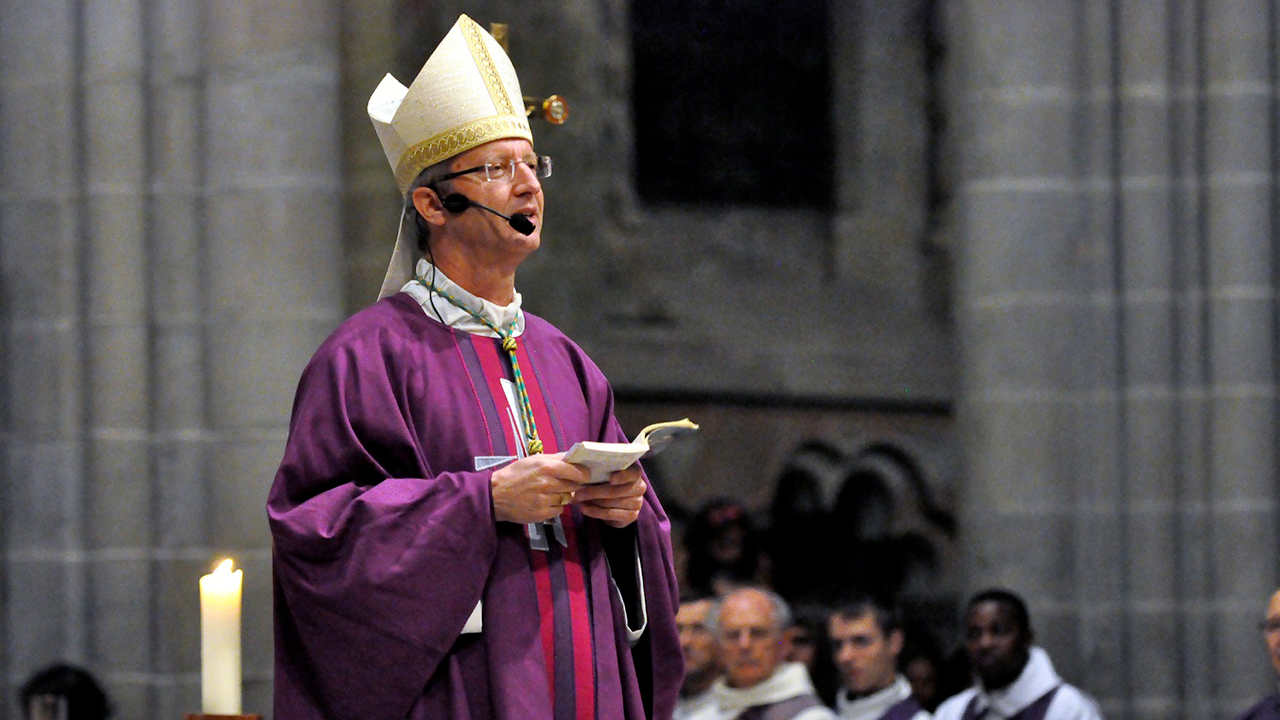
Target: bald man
x,y
758,683
1269,707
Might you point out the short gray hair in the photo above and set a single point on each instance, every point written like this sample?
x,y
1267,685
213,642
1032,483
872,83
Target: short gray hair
x,y
428,176
781,610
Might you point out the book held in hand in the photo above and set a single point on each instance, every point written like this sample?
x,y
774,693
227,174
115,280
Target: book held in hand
x,y
604,458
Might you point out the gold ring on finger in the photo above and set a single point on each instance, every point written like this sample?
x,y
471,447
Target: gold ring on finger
x,y
565,497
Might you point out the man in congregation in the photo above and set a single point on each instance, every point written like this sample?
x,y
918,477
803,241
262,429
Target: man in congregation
x,y
1269,707
866,640
434,556
1015,679
701,665
758,684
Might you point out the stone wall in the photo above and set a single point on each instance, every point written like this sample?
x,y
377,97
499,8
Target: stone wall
x,y
1117,218
191,196
169,220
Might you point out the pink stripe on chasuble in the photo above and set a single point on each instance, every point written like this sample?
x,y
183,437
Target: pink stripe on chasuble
x,y
546,617
580,616
575,574
496,367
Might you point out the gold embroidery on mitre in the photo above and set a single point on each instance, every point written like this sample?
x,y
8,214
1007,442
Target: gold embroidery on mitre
x,y
484,62
457,140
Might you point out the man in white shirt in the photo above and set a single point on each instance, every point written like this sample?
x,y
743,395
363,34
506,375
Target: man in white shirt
x,y
758,684
1016,680
866,640
701,665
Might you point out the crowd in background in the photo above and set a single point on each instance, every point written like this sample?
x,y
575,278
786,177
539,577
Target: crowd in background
x,y
980,662
807,648
721,548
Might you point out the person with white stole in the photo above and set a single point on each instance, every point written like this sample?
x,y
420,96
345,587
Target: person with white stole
x,y
758,683
866,641
434,556
1016,679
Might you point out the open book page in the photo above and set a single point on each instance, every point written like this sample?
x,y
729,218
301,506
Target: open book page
x,y
605,458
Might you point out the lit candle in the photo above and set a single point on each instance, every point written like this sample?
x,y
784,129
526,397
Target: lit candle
x,y
220,640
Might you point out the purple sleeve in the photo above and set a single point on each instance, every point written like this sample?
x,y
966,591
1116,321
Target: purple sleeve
x,y
658,653
378,561
658,659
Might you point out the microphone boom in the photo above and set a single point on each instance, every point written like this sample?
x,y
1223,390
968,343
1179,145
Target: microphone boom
x,y
457,202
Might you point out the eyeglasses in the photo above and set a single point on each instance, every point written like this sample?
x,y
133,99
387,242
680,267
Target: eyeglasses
x,y
504,169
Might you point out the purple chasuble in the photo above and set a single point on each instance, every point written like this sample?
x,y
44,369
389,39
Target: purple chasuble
x,y
384,541
1035,711
1266,709
903,710
781,710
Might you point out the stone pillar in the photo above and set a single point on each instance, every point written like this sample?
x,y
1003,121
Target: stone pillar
x,y
42,305
272,285
117,235
170,256
878,86
371,48
182,444
1116,304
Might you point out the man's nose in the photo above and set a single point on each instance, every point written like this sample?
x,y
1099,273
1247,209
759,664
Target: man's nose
x,y
525,177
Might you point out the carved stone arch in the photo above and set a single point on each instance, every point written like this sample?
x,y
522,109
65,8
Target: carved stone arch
x,y
809,480
886,473
800,518
888,534
866,505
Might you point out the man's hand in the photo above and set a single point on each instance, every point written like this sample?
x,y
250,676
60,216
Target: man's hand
x,y
535,488
616,502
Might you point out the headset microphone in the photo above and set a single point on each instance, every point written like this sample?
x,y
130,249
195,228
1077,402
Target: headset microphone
x,y
457,202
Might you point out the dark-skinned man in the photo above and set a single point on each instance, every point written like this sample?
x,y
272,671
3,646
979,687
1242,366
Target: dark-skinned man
x,y
1015,679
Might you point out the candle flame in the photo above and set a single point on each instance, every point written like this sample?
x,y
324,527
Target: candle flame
x,y
223,568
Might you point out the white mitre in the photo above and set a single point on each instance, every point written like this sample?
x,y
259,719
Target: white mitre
x,y
467,94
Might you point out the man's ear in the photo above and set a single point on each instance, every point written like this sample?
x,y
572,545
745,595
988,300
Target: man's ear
x,y
896,639
429,206
789,637
784,642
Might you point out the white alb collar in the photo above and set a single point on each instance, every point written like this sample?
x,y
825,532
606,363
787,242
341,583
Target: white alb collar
x,y
1036,679
874,705
694,705
787,681
500,315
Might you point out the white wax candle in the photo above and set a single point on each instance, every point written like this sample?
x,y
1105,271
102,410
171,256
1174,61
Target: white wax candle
x,y
220,640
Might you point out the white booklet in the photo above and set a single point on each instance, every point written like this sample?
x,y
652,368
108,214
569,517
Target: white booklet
x,y
604,458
